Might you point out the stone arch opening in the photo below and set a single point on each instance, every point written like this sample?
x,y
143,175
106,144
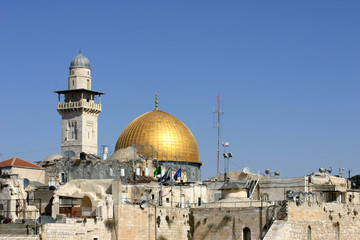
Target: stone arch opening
x,y
246,233
86,206
337,231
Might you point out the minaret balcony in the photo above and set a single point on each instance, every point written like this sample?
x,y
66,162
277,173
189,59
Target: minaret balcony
x,y
81,105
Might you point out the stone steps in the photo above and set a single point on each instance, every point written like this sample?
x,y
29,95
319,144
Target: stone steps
x,y
275,230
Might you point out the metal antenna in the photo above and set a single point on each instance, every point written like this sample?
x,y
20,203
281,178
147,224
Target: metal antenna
x,y
218,112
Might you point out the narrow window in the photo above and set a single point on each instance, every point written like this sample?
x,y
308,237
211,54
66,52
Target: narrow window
x,y
167,200
309,233
73,82
160,198
62,177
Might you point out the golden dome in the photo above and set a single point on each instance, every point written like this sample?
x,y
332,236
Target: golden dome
x,y
158,134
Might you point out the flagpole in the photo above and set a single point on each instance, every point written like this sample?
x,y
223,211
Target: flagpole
x,y
180,189
171,182
160,200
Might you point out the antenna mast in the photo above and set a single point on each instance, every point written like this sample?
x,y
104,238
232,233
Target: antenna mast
x,y
218,112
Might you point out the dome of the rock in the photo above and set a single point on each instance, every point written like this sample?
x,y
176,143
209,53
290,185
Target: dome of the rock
x,y
159,135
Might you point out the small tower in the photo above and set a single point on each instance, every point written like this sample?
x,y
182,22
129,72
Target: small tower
x,y
79,111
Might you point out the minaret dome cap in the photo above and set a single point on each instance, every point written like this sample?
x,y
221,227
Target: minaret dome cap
x,y
80,61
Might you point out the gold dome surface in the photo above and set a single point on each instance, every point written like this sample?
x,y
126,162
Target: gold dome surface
x,y
167,135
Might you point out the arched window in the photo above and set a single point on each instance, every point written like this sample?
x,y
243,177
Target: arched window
x,y
246,234
309,233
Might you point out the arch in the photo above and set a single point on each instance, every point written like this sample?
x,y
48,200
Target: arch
x,y
246,234
309,233
86,206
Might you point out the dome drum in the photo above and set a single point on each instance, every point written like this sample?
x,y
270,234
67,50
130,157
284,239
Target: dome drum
x,y
190,171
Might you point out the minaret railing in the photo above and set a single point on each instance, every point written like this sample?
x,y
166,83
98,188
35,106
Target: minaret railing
x,y
80,104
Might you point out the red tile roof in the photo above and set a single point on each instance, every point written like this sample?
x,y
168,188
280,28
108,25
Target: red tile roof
x,y
18,162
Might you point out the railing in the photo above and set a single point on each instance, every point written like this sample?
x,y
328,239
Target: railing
x,y
80,104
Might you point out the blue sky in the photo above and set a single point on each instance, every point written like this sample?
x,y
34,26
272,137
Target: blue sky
x,y
288,73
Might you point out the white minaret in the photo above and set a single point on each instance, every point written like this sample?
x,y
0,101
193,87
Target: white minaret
x,y
79,111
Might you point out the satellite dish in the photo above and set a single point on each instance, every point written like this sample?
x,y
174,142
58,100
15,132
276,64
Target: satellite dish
x,y
267,171
143,204
277,173
329,170
246,170
26,182
322,170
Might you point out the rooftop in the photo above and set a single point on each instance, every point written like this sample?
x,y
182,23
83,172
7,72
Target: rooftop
x,y
18,162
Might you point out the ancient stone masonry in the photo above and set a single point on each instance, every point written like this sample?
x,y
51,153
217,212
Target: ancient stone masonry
x,y
151,222
229,223
76,229
319,221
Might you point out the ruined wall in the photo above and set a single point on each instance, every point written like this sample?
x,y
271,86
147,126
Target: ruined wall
x,y
324,221
12,199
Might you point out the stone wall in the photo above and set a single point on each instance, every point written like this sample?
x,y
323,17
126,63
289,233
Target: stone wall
x,y
19,237
324,221
33,174
133,222
75,229
227,223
